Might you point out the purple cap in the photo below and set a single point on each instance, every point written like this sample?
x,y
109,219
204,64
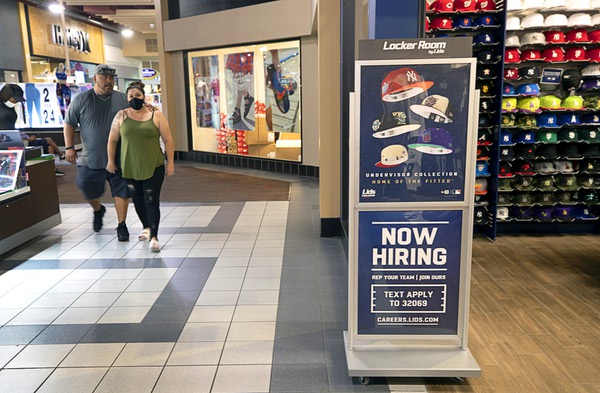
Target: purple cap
x,y
590,84
433,141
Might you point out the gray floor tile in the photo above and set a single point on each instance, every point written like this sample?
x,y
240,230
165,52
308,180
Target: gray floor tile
x,y
186,379
158,332
251,331
166,314
258,297
62,334
212,314
260,312
204,332
11,335
247,352
196,353
129,379
299,378
110,333
23,381
144,354
7,352
93,355
39,356
218,298
339,381
73,380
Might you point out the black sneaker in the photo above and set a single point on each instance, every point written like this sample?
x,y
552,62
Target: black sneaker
x,y
58,173
98,216
122,232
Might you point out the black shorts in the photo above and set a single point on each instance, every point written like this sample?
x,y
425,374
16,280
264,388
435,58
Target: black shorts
x,y
40,142
91,183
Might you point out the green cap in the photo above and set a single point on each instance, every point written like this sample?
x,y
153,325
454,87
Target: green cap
x,y
527,121
545,183
508,120
546,137
591,102
573,102
504,185
550,102
589,135
568,135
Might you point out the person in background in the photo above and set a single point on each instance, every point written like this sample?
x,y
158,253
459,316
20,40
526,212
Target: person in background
x,y
142,160
10,95
93,111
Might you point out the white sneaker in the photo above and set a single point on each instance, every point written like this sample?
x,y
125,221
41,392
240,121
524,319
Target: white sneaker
x,y
154,245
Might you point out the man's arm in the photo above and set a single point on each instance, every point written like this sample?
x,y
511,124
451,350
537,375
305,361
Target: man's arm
x,y
70,153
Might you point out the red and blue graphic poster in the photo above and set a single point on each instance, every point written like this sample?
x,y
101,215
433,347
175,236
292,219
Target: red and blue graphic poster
x,y
413,132
207,91
282,89
409,272
239,84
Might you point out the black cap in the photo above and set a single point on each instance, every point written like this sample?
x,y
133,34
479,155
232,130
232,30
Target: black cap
x,y
486,88
486,57
571,79
16,92
506,153
485,121
486,73
529,73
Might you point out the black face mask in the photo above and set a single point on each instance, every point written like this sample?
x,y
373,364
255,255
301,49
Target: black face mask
x,y
136,103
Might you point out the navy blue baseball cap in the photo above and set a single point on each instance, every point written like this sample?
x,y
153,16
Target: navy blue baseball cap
x,y
542,213
485,39
462,22
487,21
547,120
583,213
487,56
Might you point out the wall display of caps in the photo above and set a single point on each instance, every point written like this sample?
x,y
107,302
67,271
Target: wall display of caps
x,y
549,142
484,21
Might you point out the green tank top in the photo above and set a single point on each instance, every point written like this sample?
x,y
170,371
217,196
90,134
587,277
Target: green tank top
x,y
140,148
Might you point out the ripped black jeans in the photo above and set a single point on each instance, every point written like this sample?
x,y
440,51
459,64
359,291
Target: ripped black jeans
x,y
146,199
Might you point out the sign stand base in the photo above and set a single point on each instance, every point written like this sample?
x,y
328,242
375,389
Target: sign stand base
x,y
407,362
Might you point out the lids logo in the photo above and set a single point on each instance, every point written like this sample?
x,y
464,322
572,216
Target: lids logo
x,y
368,193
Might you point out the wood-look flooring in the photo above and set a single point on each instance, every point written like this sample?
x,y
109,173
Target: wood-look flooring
x,y
534,316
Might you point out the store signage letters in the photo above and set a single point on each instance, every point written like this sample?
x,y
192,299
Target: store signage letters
x,y
76,39
435,47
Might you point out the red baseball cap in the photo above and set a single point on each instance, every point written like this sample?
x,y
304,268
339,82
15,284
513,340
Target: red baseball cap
x,y
465,5
512,56
426,24
554,55
531,54
578,36
555,37
441,23
511,73
576,53
594,55
443,6
402,84
486,5
594,36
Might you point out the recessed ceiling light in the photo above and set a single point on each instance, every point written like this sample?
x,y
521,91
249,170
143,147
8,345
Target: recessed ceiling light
x,y
55,8
127,33
152,25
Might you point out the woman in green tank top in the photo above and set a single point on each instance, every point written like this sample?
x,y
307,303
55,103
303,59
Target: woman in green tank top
x,y
142,161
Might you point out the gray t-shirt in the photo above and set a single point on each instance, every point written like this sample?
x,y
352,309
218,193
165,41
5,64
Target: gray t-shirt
x,y
94,115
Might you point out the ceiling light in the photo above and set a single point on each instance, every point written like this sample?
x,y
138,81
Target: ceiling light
x,y
152,25
56,8
127,33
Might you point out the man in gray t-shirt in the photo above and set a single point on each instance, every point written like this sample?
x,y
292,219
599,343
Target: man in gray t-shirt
x,y
93,111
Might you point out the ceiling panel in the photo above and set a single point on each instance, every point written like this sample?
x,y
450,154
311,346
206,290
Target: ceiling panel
x,y
138,15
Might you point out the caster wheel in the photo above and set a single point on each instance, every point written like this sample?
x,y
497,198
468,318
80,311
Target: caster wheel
x,y
364,380
458,379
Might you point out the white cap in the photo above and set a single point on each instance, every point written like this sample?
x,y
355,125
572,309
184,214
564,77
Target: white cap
x,y
578,4
591,70
514,5
595,4
512,41
580,19
556,20
544,167
533,20
555,3
533,4
563,166
513,23
596,19
502,213
533,39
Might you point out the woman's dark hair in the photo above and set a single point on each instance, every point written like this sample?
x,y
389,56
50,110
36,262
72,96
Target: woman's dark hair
x,y
136,85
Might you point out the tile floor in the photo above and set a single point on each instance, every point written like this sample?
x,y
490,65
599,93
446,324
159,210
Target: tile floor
x,y
243,297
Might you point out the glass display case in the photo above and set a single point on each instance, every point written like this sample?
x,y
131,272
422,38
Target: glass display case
x,y
246,100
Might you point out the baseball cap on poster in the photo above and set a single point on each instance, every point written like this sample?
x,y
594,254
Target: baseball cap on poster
x,y
392,155
441,23
553,55
434,141
576,53
402,84
578,36
391,123
512,56
511,73
531,55
555,37
512,41
435,107
507,153
465,5
462,22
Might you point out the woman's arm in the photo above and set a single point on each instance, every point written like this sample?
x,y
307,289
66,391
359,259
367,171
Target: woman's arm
x,y
113,139
165,134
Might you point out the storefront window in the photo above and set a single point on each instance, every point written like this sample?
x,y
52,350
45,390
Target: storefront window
x,y
246,100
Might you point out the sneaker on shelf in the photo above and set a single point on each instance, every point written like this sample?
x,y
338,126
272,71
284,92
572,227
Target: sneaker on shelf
x,y
122,232
98,216
59,173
